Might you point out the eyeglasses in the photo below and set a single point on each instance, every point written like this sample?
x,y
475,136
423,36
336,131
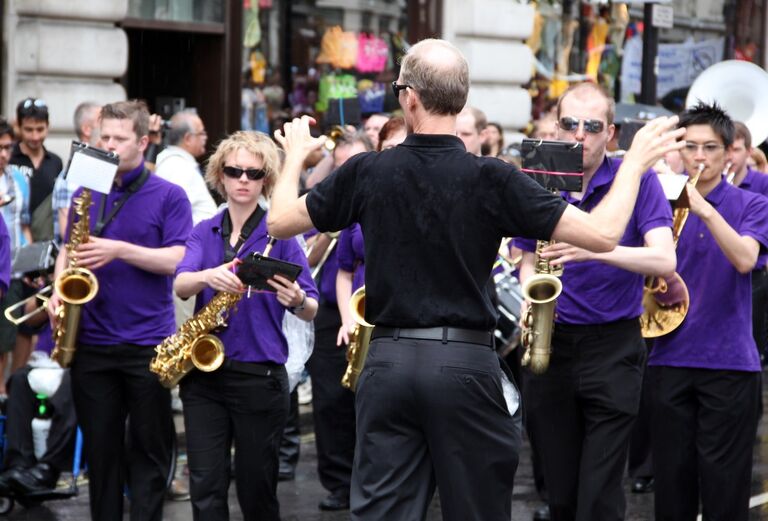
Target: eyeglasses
x,y
396,88
201,133
708,148
32,101
6,148
254,174
570,124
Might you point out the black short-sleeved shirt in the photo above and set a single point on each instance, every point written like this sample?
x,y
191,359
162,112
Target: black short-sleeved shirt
x,y
433,217
41,180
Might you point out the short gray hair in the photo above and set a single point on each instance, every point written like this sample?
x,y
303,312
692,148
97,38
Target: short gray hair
x,y
439,73
81,114
180,126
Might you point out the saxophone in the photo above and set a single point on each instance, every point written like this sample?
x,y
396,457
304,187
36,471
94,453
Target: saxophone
x,y
193,345
359,340
75,286
541,290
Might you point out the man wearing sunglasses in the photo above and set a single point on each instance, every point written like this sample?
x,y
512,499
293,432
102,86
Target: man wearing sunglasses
x,y
434,406
581,411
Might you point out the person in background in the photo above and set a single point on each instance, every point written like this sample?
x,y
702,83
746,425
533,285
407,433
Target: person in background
x,y
392,133
470,127
14,190
373,125
86,120
41,168
493,145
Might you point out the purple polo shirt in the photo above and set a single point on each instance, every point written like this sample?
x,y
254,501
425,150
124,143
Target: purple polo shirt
x,y
45,339
255,327
134,306
351,252
5,257
757,182
594,292
717,332
326,283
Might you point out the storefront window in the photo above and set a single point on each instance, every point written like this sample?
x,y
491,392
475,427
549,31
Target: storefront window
x,y
206,11
302,56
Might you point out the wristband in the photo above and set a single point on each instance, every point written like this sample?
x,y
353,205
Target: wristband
x,y
301,306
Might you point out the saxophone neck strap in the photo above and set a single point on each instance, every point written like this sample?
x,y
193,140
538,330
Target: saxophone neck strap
x,y
134,187
230,252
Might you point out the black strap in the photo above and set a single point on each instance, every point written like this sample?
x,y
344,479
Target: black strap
x,y
230,252
134,187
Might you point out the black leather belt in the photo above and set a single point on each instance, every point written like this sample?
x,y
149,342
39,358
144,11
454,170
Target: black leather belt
x,y
444,334
254,368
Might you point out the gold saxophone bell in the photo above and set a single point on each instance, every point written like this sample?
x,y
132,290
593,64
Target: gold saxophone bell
x,y
541,290
359,340
207,353
76,286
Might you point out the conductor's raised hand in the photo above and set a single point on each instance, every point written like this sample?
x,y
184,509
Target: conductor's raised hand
x,y
296,139
223,278
655,139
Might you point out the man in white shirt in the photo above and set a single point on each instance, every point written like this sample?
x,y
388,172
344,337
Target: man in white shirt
x,y
178,163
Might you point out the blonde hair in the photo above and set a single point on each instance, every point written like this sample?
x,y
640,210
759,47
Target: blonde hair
x,y
256,143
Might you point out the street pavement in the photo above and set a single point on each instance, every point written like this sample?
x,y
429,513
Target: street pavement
x,y
299,498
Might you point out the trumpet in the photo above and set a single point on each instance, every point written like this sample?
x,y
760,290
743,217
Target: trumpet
x,y
666,299
333,135
42,295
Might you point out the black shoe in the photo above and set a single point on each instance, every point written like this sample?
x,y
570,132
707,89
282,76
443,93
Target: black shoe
x,y
40,478
5,479
286,475
335,502
643,485
542,514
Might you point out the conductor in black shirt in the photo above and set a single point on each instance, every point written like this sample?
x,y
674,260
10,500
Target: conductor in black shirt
x,y
430,406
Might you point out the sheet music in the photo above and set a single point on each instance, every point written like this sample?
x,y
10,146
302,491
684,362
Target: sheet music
x,y
672,184
91,172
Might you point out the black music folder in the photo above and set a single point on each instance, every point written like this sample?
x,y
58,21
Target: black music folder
x,y
256,269
555,165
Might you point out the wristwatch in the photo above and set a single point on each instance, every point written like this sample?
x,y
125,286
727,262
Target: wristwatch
x,y
301,306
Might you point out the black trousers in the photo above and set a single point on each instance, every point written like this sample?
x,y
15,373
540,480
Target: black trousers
x,y
432,414
760,310
227,406
580,415
333,406
290,442
19,449
640,461
110,384
703,430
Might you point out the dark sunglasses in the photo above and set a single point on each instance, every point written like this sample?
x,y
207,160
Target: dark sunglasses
x,y
593,126
254,174
396,88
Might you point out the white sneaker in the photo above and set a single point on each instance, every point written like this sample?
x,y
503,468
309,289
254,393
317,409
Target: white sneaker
x,y
305,392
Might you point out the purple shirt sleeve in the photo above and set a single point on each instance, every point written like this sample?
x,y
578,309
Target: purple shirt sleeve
x,y
5,257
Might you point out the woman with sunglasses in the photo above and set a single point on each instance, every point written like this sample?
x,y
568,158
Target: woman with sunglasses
x,y
247,399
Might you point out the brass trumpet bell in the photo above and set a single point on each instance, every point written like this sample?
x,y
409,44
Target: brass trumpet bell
x,y
665,304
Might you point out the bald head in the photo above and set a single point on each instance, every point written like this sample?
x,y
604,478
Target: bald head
x,y
439,73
